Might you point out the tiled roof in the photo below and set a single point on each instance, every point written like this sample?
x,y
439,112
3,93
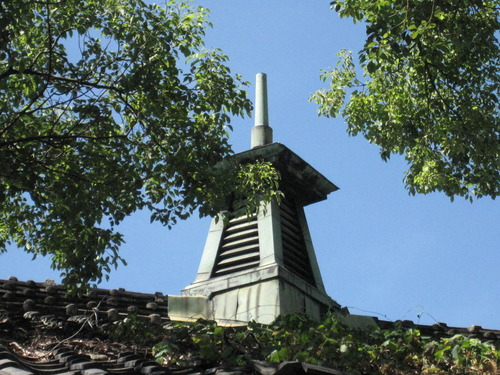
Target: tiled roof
x,y
65,361
17,297
440,330
46,331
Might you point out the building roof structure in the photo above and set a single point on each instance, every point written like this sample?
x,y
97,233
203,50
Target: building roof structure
x,y
44,330
264,266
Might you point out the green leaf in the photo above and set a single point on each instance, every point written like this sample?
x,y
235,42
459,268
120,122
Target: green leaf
x,y
432,96
104,138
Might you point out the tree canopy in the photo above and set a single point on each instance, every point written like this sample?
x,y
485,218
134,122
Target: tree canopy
x,y
428,90
108,107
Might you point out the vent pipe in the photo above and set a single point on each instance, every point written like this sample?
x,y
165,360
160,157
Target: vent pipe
x,y
262,133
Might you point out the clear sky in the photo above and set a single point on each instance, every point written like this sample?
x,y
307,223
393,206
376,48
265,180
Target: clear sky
x,y
381,252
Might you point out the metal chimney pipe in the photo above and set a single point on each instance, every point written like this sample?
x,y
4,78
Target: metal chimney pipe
x,y
262,133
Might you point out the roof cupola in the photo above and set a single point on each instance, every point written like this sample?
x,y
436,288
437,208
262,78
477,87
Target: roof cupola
x,y
259,267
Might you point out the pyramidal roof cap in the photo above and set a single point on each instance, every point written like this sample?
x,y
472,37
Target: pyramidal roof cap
x,y
297,175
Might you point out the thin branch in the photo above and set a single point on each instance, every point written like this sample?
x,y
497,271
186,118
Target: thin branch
x,y
95,310
48,138
73,81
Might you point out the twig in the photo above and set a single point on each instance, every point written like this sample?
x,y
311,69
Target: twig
x,y
95,309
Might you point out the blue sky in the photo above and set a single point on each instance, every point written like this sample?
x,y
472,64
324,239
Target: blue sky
x,y
381,252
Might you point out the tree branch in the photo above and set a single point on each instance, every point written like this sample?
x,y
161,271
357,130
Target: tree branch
x,y
55,137
11,71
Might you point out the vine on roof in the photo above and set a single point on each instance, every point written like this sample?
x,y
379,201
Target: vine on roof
x,y
329,343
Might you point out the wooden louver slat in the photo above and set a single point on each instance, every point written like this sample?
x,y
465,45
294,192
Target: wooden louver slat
x,y
295,256
239,248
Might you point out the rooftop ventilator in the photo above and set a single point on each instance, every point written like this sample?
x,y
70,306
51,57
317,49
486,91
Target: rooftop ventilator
x,y
256,268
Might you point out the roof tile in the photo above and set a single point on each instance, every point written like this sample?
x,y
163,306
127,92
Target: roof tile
x,y
26,306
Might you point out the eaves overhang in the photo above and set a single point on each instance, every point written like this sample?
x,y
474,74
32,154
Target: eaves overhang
x,y
298,177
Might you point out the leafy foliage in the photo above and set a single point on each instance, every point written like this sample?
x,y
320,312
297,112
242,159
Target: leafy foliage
x,y
133,329
203,343
329,343
108,107
429,90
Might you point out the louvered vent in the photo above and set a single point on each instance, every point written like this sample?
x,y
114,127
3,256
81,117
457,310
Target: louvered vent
x,y
239,249
295,257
